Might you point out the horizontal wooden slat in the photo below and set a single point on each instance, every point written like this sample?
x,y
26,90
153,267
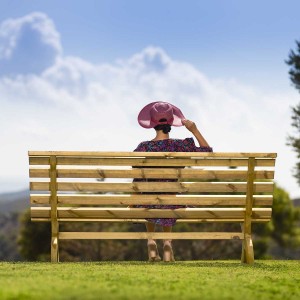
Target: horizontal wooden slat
x,y
152,235
167,187
192,213
151,162
144,221
39,160
152,154
152,173
200,200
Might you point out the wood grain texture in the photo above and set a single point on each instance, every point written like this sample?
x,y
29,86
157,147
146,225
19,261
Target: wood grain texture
x,y
144,221
152,235
152,162
152,154
53,213
160,173
160,199
166,187
132,213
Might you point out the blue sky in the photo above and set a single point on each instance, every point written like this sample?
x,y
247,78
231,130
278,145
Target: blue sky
x,y
245,39
79,62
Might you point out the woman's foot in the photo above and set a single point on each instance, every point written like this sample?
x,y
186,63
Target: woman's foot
x,y
152,251
168,251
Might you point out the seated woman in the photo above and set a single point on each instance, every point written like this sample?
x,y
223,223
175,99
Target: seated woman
x,y
162,116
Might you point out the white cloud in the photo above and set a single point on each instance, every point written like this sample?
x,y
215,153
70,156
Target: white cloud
x,y
28,44
76,105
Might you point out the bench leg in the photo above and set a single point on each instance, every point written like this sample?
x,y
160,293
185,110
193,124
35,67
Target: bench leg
x,y
247,256
54,250
247,251
54,241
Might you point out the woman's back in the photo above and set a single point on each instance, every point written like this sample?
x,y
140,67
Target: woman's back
x,y
171,145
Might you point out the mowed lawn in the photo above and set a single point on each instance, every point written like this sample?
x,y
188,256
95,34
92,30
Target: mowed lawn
x,y
142,280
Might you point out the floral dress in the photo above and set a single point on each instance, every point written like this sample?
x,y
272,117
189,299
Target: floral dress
x,y
167,145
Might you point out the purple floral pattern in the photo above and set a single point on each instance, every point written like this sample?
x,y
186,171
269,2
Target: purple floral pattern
x,y
167,145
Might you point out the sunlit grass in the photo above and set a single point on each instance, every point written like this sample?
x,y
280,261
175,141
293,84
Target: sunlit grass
x,y
141,280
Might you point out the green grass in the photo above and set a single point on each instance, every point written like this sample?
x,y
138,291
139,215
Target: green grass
x,y
141,280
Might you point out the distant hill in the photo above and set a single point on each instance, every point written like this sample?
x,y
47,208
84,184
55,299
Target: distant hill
x,y
13,196
14,202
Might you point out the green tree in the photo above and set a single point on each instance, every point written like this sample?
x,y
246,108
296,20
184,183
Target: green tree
x,y
294,62
284,220
9,225
280,237
34,239
294,72
294,141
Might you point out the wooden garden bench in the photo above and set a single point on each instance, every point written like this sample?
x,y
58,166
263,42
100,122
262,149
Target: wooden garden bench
x,y
99,187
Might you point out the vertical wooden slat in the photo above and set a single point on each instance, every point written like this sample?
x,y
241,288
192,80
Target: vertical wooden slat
x,y
53,200
247,251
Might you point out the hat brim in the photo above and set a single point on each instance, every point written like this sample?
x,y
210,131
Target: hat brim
x,y
144,117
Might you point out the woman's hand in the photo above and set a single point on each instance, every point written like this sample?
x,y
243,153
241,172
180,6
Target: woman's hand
x,y
190,125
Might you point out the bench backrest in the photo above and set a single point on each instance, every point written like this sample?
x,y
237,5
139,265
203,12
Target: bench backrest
x,y
97,186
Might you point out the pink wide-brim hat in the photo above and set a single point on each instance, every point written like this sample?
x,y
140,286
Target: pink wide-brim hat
x,y
150,115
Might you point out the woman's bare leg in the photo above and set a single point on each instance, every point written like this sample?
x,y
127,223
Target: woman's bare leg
x,y
168,251
152,247
150,227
